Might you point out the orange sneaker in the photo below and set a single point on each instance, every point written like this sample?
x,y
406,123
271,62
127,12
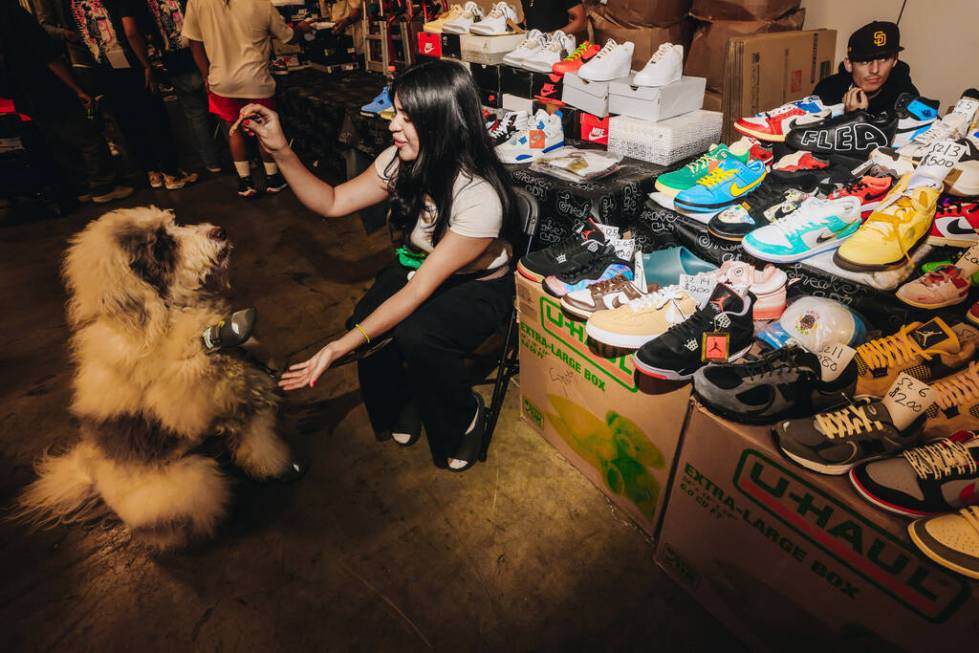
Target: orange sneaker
x,y
576,59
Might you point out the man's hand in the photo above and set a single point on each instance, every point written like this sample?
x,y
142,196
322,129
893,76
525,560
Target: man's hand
x,y
341,25
149,82
855,99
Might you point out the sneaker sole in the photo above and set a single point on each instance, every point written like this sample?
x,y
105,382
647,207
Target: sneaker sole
x,y
109,197
613,339
931,306
831,470
880,503
574,311
972,318
527,274
277,189
729,237
951,242
924,548
762,136
667,190
672,375
791,258
741,417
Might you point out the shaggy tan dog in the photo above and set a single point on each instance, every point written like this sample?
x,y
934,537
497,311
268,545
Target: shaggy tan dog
x,y
142,290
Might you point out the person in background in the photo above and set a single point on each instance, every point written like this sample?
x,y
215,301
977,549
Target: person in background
x,y
231,41
44,88
550,15
870,77
346,16
167,17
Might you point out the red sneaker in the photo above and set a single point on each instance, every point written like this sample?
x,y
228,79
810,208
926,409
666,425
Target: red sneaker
x,y
759,152
576,59
870,190
800,161
956,223
973,314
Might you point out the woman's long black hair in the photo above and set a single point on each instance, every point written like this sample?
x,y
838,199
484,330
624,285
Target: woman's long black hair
x,y
441,100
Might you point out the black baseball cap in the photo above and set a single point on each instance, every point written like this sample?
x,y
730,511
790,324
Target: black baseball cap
x,y
875,40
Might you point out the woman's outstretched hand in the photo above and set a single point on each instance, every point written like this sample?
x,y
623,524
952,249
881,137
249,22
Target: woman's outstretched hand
x,y
306,373
264,124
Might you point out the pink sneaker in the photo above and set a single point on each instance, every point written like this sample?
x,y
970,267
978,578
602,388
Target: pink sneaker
x,y
944,286
767,285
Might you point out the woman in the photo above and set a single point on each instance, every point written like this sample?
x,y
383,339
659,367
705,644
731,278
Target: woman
x,y
449,195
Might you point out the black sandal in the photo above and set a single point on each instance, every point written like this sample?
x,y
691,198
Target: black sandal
x,y
409,423
472,441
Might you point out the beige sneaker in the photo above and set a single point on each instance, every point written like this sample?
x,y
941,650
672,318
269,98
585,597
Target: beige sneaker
x,y
179,180
604,295
956,406
950,540
633,325
156,179
117,193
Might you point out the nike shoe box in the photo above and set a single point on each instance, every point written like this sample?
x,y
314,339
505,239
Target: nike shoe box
x,y
792,560
591,97
487,78
618,430
451,46
430,45
490,99
659,102
527,84
488,49
667,141
593,130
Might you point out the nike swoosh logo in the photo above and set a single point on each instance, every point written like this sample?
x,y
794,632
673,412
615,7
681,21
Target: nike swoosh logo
x,y
741,190
822,238
955,228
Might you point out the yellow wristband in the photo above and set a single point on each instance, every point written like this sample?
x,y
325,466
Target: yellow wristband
x,y
363,333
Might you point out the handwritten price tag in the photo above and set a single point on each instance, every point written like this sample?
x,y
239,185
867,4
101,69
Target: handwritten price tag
x,y
833,359
907,399
939,160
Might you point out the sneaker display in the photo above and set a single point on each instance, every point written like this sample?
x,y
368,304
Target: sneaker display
x,y
954,125
460,24
542,60
610,262
179,180
534,41
854,134
613,61
956,223
925,351
683,178
944,286
511,122
775,124
890,233
809,175
950,540
496,22
778,385
664,67
770,202
275,183
604,295
915,116
719,332
833,442
729,181
116,193
816,226
582,55
435,26
956,406
380,102
665,267
633,325
767,285
927,480
543,134
963,178
869,189
246,187
569,254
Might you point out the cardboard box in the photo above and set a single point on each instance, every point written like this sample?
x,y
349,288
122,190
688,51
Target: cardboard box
x,y
591,97
646,39
713,101
742,9
488,49
640,13
592,410
430,45
791,560
658,102
709,47
527,84
765,71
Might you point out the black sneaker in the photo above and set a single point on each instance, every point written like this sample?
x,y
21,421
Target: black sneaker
x,y
833,442
606,265
721,331
938,477
915,116
854,134
246,187
503,128
769,202
570,254
275,183
783,383
840,170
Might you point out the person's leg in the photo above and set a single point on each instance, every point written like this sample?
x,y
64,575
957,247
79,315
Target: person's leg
x,y
193,101
94,153
64,153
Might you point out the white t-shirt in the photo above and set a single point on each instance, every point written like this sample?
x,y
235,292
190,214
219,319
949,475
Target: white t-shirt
x,y
476,212
237,38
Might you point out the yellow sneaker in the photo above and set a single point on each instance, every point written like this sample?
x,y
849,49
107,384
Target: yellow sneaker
x,y
925,351
956,406
887,237
950,540
636,323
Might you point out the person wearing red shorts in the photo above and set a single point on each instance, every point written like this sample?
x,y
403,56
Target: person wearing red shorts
x,y
231,41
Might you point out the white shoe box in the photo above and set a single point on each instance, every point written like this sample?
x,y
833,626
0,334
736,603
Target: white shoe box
x,y
488,49
588,96
517,103
655,103
666,141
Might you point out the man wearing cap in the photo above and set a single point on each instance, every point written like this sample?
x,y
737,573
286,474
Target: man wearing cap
x,y
870,77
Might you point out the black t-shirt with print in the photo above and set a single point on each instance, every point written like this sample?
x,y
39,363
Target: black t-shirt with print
x,y
90,18
547,15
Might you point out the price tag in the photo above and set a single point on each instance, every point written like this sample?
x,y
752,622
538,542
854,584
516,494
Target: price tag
x,y
833,360
937,162
908,399
537,139
700,286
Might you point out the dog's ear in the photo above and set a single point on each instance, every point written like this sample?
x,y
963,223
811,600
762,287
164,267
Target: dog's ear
x,y
152,256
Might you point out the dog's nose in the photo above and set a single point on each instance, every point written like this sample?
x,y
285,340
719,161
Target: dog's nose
x,y
218,233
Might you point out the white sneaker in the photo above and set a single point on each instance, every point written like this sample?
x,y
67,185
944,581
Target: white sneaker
x,y
511,122
664,67
496,21
435,26
614,61
558,46
543,135
470,14
951,127
534,41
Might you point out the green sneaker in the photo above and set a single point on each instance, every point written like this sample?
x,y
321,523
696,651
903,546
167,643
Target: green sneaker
x,y
686,177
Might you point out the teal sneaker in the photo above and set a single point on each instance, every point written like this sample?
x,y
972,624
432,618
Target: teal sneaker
x,y
816,226
683,178
723,186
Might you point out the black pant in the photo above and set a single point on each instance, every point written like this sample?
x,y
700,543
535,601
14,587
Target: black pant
x,y
143,119
425,363
80,150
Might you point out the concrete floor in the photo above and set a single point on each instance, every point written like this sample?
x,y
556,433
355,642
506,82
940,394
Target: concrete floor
x,y
373,550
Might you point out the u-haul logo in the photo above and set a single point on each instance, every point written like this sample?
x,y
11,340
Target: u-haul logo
x,y
869,551
572,334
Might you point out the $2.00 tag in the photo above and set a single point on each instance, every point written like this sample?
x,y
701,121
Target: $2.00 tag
x,y
907,399
833,359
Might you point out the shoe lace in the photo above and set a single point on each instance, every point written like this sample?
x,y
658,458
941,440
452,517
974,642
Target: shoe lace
x,y
498,11
892,350
888,224
658,299
701,162
660,52
716,177
607,48
958,389
942,458
769,365
846,422
971,516
579,52
472,9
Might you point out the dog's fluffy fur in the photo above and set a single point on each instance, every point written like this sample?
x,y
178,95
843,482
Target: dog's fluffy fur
x,y
142,289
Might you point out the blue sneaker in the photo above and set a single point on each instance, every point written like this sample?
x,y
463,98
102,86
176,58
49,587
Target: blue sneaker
x,y
914,116
544,134
380,103
726,184
816,226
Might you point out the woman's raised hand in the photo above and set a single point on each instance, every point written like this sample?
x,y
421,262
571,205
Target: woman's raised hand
x,y
263,123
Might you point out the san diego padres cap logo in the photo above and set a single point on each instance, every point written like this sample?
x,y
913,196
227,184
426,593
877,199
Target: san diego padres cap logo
x,y
880,38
